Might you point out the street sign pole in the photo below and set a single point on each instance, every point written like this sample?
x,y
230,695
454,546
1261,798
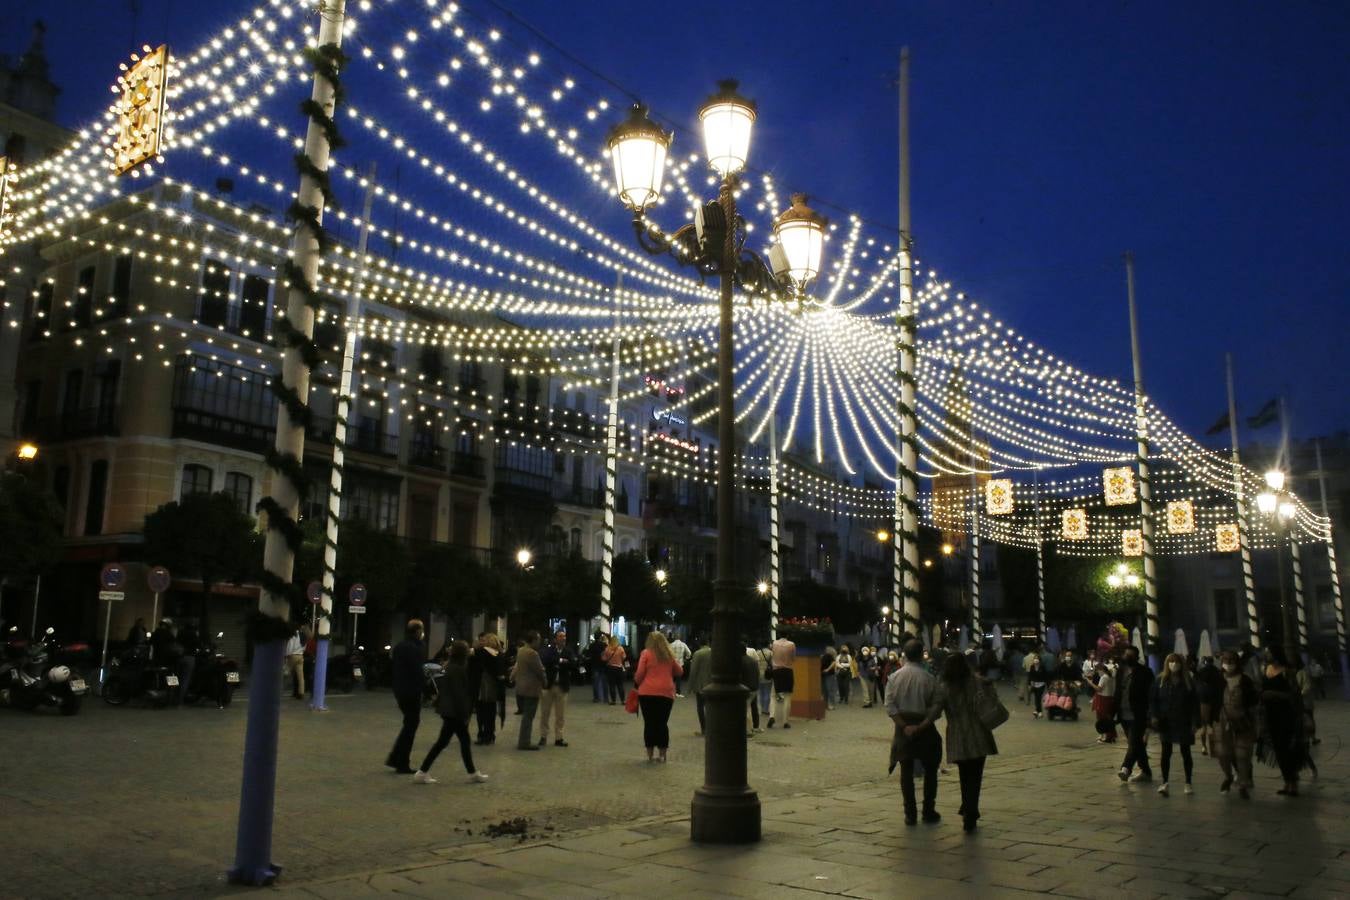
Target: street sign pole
x,y
103,662
37,591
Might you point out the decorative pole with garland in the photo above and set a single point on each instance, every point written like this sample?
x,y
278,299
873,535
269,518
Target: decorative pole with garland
x,y
1145,484
1244,520
1335,576
775,570
976,623
1040,563
271,626
906,571
612,423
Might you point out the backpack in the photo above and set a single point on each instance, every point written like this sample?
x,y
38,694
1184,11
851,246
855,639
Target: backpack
x,y
988,708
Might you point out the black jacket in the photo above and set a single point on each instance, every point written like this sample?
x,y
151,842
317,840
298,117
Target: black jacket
x,y
1141,691
453,699
408,659
494,666
558,666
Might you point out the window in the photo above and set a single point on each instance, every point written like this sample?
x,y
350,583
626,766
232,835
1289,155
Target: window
x,y
120,301
374,502
98,487
575,540
239,486
61,485
1225,608
42,311
107,375
32,394
82,304
70,400
254,306
215,305
196,480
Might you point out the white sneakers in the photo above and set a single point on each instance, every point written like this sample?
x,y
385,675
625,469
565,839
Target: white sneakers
x,y
1162,789
1188,789
420,777
478,778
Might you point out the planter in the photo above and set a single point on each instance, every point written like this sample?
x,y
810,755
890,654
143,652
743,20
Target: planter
x,y
807,700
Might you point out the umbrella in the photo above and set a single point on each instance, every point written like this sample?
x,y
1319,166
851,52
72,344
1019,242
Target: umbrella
x,y
1180,647
1138,640
963,641
1073,637
1052,639
1205,651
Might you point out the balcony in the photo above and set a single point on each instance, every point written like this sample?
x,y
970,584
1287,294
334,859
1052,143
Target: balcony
x,y
371,440
579,424
579,496
468,465
517,480
94,421
214,428
427,455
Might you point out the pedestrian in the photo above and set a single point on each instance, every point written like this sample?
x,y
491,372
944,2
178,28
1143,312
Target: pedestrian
x,y
1104,703
765,662
1134,687
558,660
528,674
613,658
408,656
295,663
1235,734
913,705
595,658
487,684
1303,678
1318,674
1173,708
1032,655
1036,683
1209,686
844,672
654,680
1282,741
454,706
969,741
784,653
700,673
750,673
187,661
137,635
871,673
682,655
829,682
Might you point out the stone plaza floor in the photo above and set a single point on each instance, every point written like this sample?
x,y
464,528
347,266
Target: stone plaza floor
x,y
141,802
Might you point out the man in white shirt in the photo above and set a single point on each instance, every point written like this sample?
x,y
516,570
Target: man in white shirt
x,y
295,663
784,652
912,704
682,653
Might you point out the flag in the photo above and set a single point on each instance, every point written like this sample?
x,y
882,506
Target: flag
x,y
1219,426
1265,415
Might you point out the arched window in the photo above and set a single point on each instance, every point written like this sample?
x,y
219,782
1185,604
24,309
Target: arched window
x,y
196,480
240,487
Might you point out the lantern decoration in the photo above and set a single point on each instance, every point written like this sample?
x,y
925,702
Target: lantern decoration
x,y
727,119
637,147
1073,524
1132,542
800,234
1118,485
998,496
1226,537
140,110
1180,517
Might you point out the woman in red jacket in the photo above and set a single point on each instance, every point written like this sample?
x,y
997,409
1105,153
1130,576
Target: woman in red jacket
x,y
655,678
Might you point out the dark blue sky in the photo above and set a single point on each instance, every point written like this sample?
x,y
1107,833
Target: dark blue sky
x,y
1212,139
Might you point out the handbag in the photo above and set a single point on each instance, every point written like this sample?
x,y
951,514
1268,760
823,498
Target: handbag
x,y
989,709
630,702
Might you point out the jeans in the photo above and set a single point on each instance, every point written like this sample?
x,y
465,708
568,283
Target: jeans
x,y
872,691
754,711
451,727
1136,733
927,750
554,701
528,707
615,677
186,666
1166,754
829,686
599,686
845,682
765,693
295,664
1037,694
656,720
400,757
972,777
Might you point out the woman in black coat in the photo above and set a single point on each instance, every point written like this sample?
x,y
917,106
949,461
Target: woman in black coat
x,y
1173,708
454,706
487,683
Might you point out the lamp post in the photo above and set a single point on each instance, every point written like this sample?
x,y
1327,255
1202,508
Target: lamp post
x,y
725,809
1277,505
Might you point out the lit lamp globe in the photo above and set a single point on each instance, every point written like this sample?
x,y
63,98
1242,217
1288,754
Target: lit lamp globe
x,y
638,146
1266,502
762,587
1114,580
1287,511
1132,580
727,119
800,231
1275,480
523,557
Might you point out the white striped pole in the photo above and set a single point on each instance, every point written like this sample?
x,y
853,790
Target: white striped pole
x,y
907,487
1040,564
975,624
1240,500
611,476
1300,608
1335,576
1145,485
775,575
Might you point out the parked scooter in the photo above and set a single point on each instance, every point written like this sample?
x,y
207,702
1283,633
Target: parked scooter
x,y
214,677
29,679
346,670
133,676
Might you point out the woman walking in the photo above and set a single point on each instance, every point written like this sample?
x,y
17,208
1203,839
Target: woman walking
x,y
1234,734
613,658
454,706
1283,741
487,682
844,672
657,672
1172,709
969,742
1104,703
1036,682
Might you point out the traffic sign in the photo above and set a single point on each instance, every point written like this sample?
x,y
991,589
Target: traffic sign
x,y
113,577
356,610
357,595
158,578
112,595
314,592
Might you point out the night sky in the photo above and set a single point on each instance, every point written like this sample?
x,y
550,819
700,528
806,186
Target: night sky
x,y
1212,139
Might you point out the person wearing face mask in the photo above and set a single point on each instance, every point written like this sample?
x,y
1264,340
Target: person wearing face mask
x,y
1209,691
1234,733
1173,707
1283,741
1134,686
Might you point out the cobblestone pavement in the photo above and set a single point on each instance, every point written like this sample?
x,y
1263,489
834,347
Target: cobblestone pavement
x,y
140,802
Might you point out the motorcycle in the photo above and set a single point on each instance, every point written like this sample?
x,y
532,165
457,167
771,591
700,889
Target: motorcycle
x,y
133,676
346,670
29,678
214,676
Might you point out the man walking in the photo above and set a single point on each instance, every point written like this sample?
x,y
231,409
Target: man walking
x,y
784,652
409,656
595,658
558,660
682,654
529,676
700,671
1134,687
911,702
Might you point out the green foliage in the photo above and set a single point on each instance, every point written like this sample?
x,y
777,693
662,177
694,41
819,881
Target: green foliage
x,y
809,599
1077,585
637,594
30,527
691,599
377,559
204,536
452,580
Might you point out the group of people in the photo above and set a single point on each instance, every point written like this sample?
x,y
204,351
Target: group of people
x,y
171,646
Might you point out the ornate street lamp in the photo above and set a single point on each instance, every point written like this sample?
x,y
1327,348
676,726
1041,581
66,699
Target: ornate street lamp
x,y
1278,506
725,809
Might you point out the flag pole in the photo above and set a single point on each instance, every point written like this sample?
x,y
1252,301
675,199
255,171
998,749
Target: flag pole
x,y
1240,500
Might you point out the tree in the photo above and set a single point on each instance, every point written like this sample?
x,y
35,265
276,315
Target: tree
x,y
637,594
204,536
566,586
1077,586
31,523
691,599
377,559
848,613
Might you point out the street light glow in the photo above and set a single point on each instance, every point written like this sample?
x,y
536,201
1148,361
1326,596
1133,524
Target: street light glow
x,y
660,576
1275,479
1287,510
1121,568
1132,580
1266,502
947,549
727,119
883,535
523,557
1114,580
762,587
28,452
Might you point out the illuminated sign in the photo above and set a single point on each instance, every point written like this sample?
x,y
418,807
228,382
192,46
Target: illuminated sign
x,y
140,109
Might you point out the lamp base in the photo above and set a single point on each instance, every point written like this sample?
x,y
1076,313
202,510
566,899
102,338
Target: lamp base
x,y
724,817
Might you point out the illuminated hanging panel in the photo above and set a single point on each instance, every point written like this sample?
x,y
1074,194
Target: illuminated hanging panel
x,y
1118,485
1226,537
998,496
1132,542
1073,525
1180,517
140,110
